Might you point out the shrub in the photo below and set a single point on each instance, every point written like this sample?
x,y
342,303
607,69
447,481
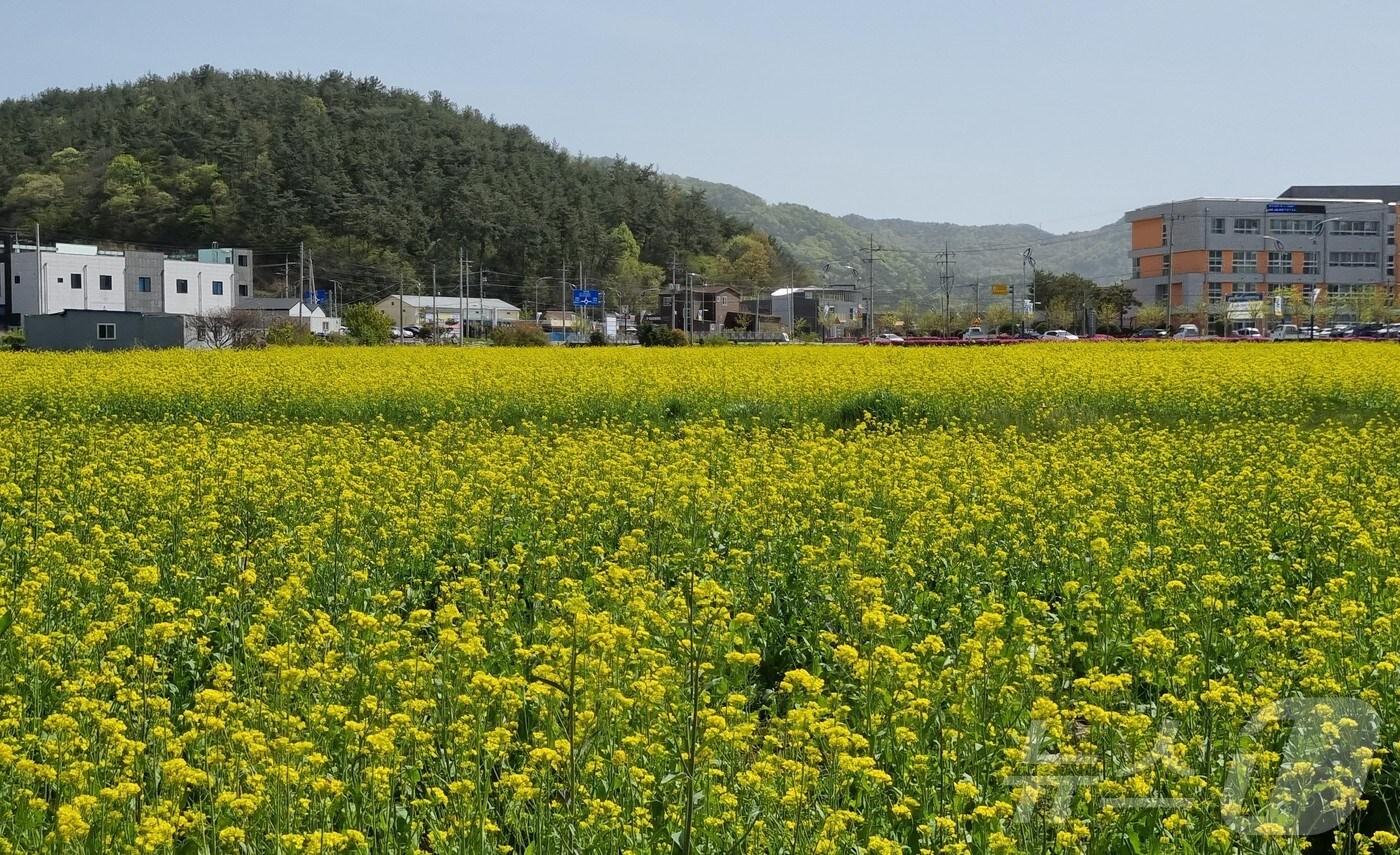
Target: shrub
x,y
519,335
650,335
597,339
289,333
367,325
12,340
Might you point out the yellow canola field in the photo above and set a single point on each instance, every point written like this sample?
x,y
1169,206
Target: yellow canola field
x,y
604,601
1055,385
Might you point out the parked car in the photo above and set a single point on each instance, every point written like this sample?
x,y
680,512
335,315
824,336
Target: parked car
x,y
1150,332
1027,335
1188,331
888,338
1247,332
1389,331
1287,332
1365,331
1059,335
397,333
974,334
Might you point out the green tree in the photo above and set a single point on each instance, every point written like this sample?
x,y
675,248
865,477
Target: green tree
x,y
37,197
366,324
1151,317
1114,302
632,284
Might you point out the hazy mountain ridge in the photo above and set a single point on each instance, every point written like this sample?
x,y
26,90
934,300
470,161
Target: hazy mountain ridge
x,y
908,264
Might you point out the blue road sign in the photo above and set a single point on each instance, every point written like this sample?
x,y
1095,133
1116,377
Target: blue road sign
x,y
587,297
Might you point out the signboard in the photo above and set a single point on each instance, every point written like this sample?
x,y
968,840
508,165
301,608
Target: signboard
x,y
1244,306
998,289
588,297
1295,208
317,297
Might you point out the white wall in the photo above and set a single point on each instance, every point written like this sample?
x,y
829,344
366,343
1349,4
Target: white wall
x,y
57,292
200,298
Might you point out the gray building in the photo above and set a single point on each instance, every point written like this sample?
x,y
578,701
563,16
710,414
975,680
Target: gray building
x,y
145,282
92,329
1249,257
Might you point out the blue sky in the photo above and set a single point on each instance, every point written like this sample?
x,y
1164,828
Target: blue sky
x,y
1058,114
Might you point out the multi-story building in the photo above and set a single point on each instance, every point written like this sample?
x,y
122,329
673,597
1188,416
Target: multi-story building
x,y
241,260
67,276
55,279
1249,261
832,310
700,309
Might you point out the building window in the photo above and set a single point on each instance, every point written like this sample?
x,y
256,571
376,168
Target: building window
x,y
199,333
1166,265
1390,234
1358,228
1292,227
1390,265
1353,259
1164,233
1243,260
182,286
143,284
16,278
106,332
75,281
1137,274
216,288
1217,225
1280,262
1310,264
1216,258
242,260
1246,226
1215,292
104,283
1163,293
242,289
1275,289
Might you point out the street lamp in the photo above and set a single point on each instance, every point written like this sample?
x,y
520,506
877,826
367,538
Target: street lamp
x,y
1026,259
1264,275
1321,271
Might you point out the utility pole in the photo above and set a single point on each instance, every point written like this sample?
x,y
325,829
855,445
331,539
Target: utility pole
x,y
286,275
461,305
301,271
481,297
869,259
437,322
945,280
400,308
311,280
39,268
674,293
563,298
1026,259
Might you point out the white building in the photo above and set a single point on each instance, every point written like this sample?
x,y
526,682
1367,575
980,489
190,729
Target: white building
x,y
67,276
197,288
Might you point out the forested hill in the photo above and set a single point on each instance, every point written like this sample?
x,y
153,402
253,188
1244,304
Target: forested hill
x,y
910,265
379,181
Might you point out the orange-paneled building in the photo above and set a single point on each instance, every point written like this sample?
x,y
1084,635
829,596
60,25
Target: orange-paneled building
x,y
1253,258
